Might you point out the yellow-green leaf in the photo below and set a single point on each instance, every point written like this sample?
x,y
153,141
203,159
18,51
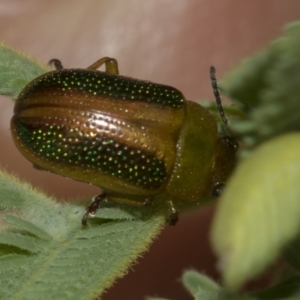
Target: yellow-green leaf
x,y
259,212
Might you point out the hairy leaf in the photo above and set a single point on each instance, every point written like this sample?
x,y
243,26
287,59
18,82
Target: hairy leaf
x,y
266,86
17,70
57,257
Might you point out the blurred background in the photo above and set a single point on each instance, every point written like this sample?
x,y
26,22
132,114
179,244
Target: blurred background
x,y
171,42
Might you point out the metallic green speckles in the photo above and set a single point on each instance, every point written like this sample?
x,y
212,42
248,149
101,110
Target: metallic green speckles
x,y
98,153
96,83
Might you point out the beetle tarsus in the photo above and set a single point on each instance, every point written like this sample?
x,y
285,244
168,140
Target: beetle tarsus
x,y
173,218
92,208
218,189
173,214
56,63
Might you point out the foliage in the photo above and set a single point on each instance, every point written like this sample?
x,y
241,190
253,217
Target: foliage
x,y
46,254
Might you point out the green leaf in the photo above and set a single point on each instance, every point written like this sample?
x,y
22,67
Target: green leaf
x,y
17,70
197,283
26,226
11,262
266,86
259,212
204,295
107,213
21,241
45,253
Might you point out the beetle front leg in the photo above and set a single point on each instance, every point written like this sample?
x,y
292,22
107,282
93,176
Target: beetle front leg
x,y
172,213
93,207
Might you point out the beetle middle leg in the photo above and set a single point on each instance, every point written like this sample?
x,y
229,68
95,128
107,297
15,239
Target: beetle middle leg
x,y
111,65
91,210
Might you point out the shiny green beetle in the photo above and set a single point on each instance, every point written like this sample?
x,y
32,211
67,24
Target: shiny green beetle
x,y
135,139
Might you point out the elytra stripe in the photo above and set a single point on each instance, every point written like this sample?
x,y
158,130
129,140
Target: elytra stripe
x,y
97,83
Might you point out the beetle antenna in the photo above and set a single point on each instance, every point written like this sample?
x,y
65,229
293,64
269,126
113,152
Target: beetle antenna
x,y
219,101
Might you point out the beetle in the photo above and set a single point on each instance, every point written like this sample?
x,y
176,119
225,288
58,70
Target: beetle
x,y
135,139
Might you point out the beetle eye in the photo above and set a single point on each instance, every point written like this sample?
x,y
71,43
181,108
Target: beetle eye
x,y
231,142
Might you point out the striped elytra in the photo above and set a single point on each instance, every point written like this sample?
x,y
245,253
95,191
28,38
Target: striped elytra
x,y
134,139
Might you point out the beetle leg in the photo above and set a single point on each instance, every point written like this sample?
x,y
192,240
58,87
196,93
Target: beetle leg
x,y
56,63
173,213
218,189
97,200
93,207
111,65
